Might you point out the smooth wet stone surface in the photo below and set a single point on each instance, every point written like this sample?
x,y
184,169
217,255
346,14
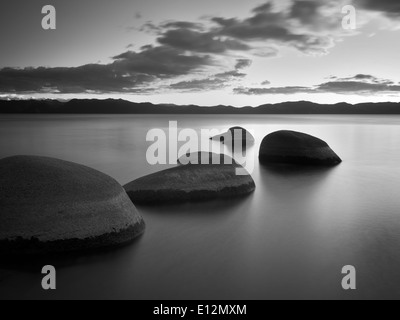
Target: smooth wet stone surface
x,y
190,183
52,206
205,158
292,147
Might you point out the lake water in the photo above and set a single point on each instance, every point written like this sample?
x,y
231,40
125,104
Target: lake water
x,y
289,239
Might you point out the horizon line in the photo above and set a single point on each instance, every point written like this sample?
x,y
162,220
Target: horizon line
x,y
191,105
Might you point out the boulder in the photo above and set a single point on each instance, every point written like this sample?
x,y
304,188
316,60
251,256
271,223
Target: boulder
x,y
205,158
190,183
53,206
235,134
296,148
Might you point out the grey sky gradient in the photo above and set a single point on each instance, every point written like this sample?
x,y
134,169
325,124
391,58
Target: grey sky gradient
x,y
208,52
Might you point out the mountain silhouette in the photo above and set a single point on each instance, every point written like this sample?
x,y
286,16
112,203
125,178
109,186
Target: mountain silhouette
x,y
111,106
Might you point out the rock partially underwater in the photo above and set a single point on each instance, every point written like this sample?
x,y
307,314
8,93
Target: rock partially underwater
x,y
292,147
235,134
190,183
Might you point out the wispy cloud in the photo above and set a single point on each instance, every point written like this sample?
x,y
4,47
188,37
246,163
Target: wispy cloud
x,y
215,81
360,84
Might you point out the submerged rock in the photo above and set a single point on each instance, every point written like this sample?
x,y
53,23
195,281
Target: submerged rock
x,y
205,158
296,148
235,134
190,183
52,206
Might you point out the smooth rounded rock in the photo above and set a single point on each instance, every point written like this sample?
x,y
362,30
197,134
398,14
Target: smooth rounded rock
x,y
53,206
235,134
292,147
205,158
190,183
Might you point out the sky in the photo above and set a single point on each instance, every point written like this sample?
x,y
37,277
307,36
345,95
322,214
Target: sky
x,y
209,52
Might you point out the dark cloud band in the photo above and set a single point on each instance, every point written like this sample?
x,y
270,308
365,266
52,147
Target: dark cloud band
x,y
359,84
130,72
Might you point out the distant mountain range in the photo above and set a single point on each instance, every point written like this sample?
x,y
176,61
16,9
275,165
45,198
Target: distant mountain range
x,y
111,106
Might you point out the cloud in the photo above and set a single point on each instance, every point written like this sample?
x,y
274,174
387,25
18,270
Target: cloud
x,y
216,81
305,11
359,84
266,91
266,83
161,61
243,63
230,75
206,84
389,7
265,26
367,78
285,27
266,52
194,37
358,87
307,25
361,77
262,8
148,27
182,25
129,72
195,41
92,77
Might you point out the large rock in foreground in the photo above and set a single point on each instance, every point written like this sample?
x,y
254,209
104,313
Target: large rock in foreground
x,y
296,148
190,183
52,206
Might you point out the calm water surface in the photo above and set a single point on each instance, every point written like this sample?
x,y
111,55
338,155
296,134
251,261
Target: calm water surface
x,y
290,239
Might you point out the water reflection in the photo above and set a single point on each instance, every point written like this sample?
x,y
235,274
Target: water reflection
x,y
32,264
